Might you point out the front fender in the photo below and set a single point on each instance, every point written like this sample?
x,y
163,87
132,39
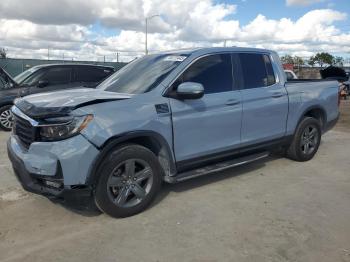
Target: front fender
x,y
4,101
129,137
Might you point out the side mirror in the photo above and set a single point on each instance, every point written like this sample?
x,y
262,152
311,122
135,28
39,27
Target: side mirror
x,y
42,83
190,90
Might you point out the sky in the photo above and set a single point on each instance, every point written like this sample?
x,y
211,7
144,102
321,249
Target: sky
x,y
114,29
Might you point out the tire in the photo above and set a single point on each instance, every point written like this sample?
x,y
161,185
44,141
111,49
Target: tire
x,y
306,140
130,177
6,118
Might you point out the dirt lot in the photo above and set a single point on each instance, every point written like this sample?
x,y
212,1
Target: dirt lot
x,y
274,210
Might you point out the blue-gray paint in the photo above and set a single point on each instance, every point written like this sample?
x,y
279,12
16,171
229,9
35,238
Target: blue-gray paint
x,y
75,155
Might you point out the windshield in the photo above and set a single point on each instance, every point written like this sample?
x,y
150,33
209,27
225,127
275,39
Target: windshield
x,y
22,76
142,75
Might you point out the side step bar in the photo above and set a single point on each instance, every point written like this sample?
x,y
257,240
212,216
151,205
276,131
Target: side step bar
x,y
216,167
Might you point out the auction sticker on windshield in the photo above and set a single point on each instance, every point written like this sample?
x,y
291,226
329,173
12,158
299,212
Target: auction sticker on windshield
x,y
175,58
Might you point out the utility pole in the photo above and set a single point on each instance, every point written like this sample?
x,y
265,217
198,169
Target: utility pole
x,y
225,43
48,52
146,31
117,57
146,23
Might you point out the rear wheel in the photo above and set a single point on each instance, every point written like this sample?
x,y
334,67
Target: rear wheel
x,y
306,140
130,178
6,118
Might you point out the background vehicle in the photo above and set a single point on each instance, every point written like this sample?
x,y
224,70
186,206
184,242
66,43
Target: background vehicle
x,y
338,73
290,75
45,78
170,116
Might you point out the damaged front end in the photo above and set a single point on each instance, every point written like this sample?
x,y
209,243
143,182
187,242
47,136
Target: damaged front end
x,y
48,153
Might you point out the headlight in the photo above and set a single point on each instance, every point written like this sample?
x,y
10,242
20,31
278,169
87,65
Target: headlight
x,y
63,127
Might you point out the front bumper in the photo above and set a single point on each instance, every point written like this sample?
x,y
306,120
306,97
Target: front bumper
x,y
78,195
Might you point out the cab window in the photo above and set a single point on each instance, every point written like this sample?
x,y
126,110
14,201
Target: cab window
x,y
57,75
257,70
214,72
91,74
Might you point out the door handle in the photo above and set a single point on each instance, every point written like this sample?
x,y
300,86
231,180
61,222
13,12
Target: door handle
x,y
277,94
232,102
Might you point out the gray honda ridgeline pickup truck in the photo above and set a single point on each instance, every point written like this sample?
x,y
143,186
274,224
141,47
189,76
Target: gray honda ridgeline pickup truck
x,y
166,117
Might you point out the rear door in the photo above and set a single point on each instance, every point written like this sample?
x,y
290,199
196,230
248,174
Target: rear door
x,y
90,76
265,100
212,124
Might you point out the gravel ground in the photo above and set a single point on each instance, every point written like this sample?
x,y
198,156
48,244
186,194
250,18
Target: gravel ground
x,y
272,210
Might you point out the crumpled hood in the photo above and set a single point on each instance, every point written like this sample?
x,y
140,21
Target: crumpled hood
x,y
61,103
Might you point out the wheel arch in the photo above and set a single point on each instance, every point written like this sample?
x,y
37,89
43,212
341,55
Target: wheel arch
x,y
149,139
317,112
6,103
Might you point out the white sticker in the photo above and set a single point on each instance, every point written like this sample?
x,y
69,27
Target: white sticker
x,y
175,58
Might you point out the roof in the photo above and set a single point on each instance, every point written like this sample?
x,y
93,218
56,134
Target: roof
x,y
214,49
71,64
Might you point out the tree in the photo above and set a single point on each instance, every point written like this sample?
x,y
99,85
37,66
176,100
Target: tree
x,y
294,60
2,53
298,61
323,58
312,61
287,59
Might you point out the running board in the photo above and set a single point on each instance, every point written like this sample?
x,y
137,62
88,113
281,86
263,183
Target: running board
x,y
216,167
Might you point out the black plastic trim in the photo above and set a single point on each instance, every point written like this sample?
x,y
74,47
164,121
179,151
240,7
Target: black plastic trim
x,y
314,107
197,162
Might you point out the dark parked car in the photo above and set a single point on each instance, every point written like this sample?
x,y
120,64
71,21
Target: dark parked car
x,y
45,78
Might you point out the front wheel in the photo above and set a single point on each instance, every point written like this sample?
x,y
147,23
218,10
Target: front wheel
x,y
130,178
306,140
6,118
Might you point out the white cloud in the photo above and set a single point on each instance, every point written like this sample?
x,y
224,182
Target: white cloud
x,y
315,25
302,2
21,30
50,11
28,29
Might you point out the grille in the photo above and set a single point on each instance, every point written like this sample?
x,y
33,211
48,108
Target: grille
x,y
24,130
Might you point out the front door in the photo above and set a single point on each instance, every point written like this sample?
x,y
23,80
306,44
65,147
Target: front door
x,y
211,124
57,78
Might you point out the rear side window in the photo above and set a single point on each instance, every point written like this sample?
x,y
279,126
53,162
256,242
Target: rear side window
x,y
257,70
91,74
269,70
57,75
214,72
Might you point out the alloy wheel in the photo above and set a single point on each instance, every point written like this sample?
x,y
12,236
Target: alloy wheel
x,y
130,182
309,140
6,119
